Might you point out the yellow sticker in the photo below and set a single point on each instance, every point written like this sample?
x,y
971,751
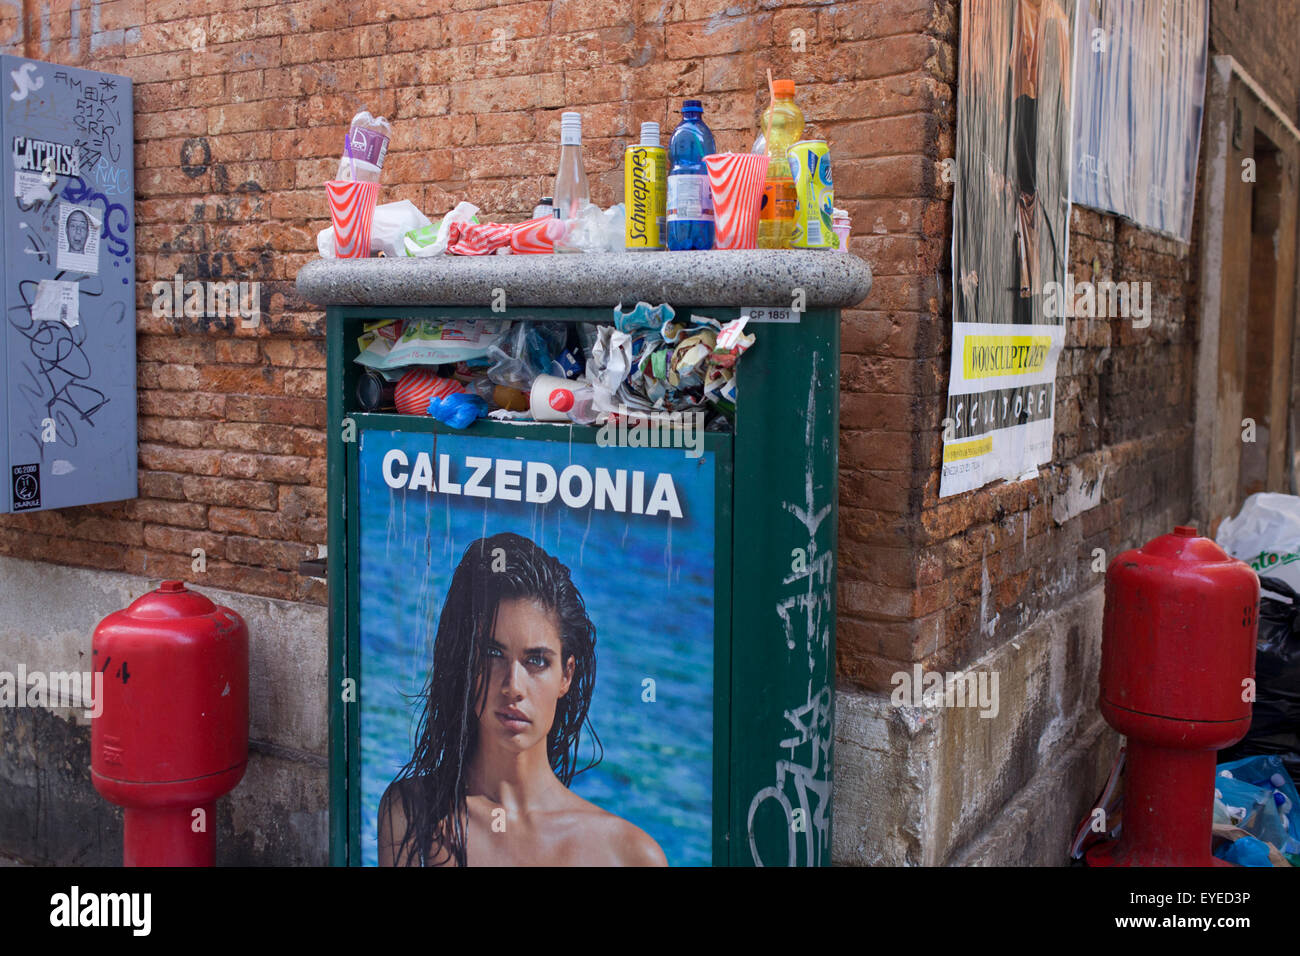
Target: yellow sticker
x,y
986,356
960,451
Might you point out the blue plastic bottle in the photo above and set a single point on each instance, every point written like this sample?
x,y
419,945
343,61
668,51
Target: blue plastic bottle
x,y
690,203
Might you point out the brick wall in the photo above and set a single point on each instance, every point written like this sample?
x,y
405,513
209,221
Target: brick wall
x,y
240,110
1265,39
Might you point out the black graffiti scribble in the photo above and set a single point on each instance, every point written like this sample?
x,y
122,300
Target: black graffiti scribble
x,y
61,369
196,157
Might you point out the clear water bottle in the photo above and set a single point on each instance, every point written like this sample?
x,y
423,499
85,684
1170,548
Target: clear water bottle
x,y
544,209
364,148
571,189
690,202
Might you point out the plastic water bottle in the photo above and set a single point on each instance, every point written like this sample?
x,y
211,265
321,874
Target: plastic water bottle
x,y
690,202
364,148
782,127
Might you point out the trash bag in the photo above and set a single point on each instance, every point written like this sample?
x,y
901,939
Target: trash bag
x,y
1266,535
1275,722
1256,795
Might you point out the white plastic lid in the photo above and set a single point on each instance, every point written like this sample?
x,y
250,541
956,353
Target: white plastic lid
x,y
649,134
570,127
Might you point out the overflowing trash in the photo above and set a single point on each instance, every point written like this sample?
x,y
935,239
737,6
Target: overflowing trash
x,y
1255,818
1266,535
647,362
685,196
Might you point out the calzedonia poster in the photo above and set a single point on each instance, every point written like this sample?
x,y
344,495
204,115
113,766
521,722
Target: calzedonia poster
x,y
1011,217
536,668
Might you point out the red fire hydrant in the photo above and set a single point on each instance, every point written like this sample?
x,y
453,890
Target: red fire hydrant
x,y
1177,670
172,735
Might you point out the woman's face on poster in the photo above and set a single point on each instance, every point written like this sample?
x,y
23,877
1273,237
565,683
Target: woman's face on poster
x,y
526,675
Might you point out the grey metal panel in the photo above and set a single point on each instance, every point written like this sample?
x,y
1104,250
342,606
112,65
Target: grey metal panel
x,y
68,149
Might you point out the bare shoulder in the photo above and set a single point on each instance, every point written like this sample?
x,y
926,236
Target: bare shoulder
x,y
396,808
392,824
627,843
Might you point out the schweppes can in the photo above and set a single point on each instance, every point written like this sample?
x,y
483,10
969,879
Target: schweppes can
x,y
810,164
645,191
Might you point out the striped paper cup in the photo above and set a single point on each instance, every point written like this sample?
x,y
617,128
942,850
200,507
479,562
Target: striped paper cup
x,y
736,180
352,207
419,385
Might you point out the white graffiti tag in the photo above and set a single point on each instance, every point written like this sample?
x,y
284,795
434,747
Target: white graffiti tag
x,y
807,616
23,81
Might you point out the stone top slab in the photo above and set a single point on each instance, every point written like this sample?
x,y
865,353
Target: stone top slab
x,y
830,279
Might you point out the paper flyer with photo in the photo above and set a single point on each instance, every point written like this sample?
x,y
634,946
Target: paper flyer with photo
x,y
78,249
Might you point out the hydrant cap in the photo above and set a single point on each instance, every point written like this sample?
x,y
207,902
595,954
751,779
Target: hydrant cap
x,y
1185,545
171,601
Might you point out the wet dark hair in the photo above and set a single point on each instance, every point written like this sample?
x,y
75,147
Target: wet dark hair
x,y
431,786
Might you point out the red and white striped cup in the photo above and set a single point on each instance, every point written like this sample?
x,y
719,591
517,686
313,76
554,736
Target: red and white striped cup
x,y
736,180
536,235
352,207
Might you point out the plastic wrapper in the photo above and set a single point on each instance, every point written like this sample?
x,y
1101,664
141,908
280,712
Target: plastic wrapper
x,y
529,349
477,239
643,315
432,240
732,342
594,230
430,342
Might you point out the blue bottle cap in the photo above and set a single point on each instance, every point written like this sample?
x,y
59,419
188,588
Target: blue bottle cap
x,y
692,105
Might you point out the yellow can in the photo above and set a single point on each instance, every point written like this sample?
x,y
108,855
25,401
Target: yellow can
x,y
810,163
645,196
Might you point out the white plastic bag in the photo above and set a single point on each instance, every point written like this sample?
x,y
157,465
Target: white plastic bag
x,y
392,221
1266,535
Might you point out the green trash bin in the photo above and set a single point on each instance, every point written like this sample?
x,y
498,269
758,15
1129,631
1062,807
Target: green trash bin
x,y
655,612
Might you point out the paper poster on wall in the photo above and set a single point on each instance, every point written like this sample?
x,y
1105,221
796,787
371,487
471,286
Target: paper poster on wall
x,y
1011,211
57,301
78,249
536,633
1140,74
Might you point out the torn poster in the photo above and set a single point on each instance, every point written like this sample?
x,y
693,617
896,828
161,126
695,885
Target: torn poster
x,y
1140,72
31,188
1011,214
57,301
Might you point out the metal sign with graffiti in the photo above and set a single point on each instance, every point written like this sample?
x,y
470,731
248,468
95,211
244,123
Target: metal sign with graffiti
x,y
67,285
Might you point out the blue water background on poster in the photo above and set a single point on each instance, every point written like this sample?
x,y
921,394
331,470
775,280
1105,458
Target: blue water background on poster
x,y
648,586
